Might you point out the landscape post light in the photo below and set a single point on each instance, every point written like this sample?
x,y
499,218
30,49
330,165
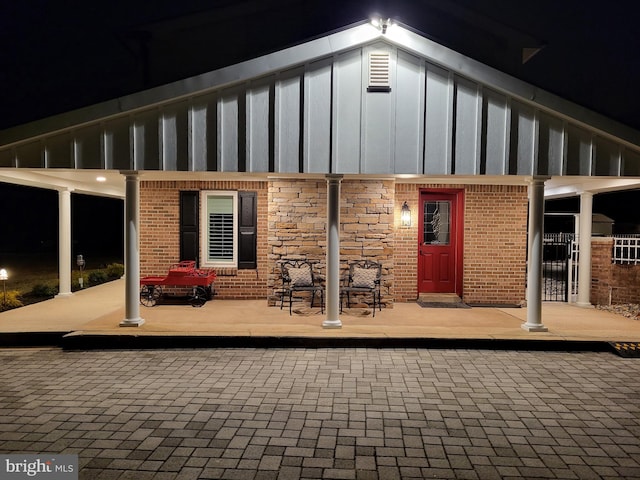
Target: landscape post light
x,y
80,263
4,276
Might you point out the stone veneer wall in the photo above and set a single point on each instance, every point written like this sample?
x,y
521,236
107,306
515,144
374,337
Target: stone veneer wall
x,y
367,228
297,226
495,243
292,223
160,239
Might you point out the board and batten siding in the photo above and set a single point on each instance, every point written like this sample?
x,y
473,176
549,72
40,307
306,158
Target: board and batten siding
x,y
320,117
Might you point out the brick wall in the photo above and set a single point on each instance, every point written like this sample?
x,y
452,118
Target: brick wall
x,y
159,226
495,247
610,282
292,223
405,256
601,271
160,240
495,243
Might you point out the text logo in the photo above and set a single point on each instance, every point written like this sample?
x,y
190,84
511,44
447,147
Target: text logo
x,y
43,466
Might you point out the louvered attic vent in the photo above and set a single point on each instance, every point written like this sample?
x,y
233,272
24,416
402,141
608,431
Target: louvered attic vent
x,y
379,75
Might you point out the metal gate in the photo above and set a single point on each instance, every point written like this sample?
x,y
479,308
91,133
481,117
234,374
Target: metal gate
x,y
558,267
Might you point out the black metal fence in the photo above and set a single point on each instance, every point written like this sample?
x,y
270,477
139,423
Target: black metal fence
x,y
556,264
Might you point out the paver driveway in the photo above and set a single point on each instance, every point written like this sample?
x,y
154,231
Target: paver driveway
x,y
325,413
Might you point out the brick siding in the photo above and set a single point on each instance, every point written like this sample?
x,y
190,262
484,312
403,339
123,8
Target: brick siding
x,y
495,243
610,282
160,235
405,256
292,217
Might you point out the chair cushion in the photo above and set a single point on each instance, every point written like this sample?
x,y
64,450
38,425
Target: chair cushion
x,y
364,277
300,276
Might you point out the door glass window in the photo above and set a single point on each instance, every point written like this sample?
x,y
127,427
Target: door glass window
x,y
437,222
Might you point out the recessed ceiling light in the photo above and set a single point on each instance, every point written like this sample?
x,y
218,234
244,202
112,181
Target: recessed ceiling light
x,y
101,179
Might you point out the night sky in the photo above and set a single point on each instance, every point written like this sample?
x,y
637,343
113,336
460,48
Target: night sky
x,y
30,223
56,56
60,55
619,206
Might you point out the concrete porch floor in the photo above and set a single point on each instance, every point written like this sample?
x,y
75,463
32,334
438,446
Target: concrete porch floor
x,y
92,316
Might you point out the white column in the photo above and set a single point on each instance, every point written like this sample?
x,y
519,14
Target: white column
x,y
534,273
333,253
584,259
64,243
132,251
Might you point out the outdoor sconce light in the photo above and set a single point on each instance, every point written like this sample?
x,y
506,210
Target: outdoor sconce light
x,y
4,276
80,263
405,215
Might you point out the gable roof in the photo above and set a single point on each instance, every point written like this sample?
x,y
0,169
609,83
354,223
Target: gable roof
x,y
307,109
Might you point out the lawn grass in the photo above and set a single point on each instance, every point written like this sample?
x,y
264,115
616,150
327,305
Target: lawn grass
x,y
27,271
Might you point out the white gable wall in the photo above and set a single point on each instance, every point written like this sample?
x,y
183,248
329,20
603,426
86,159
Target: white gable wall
x,y
445,114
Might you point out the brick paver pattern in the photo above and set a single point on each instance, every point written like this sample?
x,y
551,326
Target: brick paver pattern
x,y
325,413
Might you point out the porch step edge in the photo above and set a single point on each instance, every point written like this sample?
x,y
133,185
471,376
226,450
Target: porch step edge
x,y
439,298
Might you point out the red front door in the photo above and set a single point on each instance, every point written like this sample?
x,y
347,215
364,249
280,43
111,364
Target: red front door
x,y
440,242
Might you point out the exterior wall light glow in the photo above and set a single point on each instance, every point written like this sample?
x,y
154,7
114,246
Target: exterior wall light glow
x,y
405,215
101,179
381,24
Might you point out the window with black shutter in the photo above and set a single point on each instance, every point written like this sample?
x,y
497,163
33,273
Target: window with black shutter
x,y
189,213
247,230
227,222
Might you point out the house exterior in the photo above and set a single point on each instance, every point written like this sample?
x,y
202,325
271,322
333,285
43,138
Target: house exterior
x,y
488,266
314,150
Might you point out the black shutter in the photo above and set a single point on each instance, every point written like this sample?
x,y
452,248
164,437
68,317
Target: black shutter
x,y
189,238
248,229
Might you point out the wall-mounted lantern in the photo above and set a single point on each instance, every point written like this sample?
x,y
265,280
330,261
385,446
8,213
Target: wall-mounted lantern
x,y
405,215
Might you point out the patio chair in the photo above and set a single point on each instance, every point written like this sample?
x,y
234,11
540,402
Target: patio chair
x,y
299,276
364,278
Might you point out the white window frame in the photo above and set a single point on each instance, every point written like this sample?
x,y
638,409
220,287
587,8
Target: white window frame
x,y
204,228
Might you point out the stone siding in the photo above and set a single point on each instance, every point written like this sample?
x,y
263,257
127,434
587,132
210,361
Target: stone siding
x,y
297,226
292,217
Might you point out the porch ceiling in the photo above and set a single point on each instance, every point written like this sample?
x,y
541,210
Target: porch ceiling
x,y
113,185
78,181
560,187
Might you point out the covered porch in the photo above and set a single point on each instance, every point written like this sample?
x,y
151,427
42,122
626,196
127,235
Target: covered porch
x,y
316,109
91,318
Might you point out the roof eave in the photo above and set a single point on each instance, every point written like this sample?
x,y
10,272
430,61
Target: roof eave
x,y
310,51
500,81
